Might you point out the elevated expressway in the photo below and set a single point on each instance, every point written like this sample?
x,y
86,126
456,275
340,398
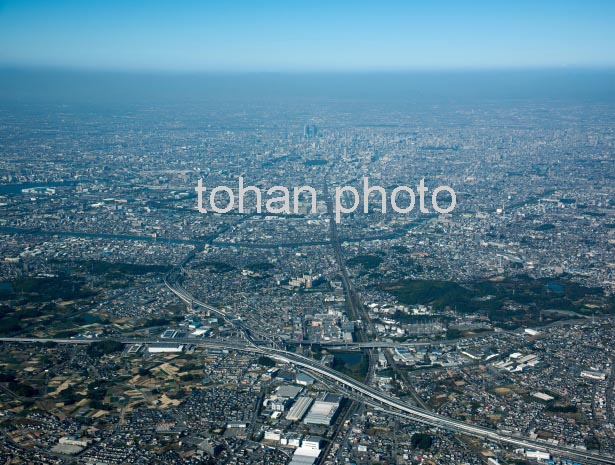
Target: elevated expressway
x,y
361,391
357,389
378,398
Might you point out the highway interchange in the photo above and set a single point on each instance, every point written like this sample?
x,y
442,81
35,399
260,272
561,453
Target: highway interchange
x,y
265,345
252,341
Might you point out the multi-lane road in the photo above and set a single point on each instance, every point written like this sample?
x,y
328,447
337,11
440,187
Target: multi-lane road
x,y
373,396
360,390
262,344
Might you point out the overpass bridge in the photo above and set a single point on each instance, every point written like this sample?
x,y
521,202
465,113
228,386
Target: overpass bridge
x,y
367,393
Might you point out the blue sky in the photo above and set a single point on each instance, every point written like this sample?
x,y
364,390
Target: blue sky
x,y
306,35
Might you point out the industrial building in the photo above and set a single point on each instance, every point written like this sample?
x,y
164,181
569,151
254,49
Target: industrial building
x,y
165,347
323,410
299,409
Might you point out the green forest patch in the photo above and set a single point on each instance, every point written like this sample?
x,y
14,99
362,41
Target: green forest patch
x,y
512,301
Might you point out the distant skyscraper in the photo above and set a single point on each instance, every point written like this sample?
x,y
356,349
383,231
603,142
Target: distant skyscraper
x,y
310,131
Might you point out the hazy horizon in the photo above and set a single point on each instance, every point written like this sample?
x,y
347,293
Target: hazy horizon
x,y
66,86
